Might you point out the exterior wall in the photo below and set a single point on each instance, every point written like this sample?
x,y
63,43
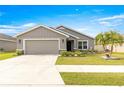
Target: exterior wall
x,y
99,48
82,37
7,45
41,32
117,48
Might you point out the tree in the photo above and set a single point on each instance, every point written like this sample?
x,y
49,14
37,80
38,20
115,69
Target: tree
x,y
110,38
114,39
100,39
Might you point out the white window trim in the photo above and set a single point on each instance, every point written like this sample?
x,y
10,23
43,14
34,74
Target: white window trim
x,y
24,41
82,44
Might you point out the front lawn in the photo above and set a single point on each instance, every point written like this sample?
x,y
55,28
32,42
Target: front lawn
x,y
94,59
73,78
6,55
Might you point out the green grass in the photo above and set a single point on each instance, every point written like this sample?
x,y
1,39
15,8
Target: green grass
x,y
7,55
95,59
74,78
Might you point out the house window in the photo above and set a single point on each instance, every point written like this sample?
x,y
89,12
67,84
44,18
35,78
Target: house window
x,y
83,45
80,45
19,41
62,40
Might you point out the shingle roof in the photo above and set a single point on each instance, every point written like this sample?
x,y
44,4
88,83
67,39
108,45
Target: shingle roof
x,y
64,32
41,26
73,30
7,37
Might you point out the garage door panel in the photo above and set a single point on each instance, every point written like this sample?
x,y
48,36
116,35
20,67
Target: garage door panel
x,y
41,47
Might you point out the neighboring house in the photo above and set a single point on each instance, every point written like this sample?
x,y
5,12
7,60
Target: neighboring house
x,y
47,40
7,43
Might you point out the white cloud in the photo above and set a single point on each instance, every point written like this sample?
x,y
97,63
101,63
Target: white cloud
x,y
111,21
9,26
8,31
12,29
85,31
28,25
105,23
121,16
18,27
110,24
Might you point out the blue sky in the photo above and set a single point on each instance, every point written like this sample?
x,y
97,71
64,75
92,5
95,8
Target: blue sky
x,y
89,20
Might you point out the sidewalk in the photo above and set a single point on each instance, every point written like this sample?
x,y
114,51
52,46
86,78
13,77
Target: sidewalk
x,y
90,68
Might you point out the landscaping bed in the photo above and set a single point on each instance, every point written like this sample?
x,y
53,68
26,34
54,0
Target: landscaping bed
x,y
90,59
74,78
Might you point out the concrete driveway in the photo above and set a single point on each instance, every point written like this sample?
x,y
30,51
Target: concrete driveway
x,y
30,69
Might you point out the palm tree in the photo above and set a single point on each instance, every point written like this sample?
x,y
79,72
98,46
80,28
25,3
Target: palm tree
x,y
101,39
110,38
114,39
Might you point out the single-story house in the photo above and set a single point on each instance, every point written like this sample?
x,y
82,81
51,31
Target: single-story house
x,y
47,40
7,43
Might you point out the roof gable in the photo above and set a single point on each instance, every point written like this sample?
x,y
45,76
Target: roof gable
x,y
64,27
31,29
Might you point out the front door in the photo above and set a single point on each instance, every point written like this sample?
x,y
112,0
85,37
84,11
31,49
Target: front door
x,y
68,45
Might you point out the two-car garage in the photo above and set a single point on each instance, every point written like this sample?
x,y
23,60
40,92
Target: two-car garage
x,y
41,46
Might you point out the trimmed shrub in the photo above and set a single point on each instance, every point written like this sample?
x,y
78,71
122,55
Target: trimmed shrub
x,y
84,51
66,53
88,51
70,54
19,52
63,53
79,53
1,49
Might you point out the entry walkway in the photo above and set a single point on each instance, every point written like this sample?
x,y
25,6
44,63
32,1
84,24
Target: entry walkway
x,y
90,68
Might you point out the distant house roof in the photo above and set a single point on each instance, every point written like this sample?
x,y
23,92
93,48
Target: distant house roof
x,y
7,37
72,30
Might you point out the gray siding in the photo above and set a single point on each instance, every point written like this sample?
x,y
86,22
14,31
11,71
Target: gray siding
x,y
7,45
41,32
82,37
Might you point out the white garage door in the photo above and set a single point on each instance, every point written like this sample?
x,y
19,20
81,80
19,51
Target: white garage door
x,y
41,47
